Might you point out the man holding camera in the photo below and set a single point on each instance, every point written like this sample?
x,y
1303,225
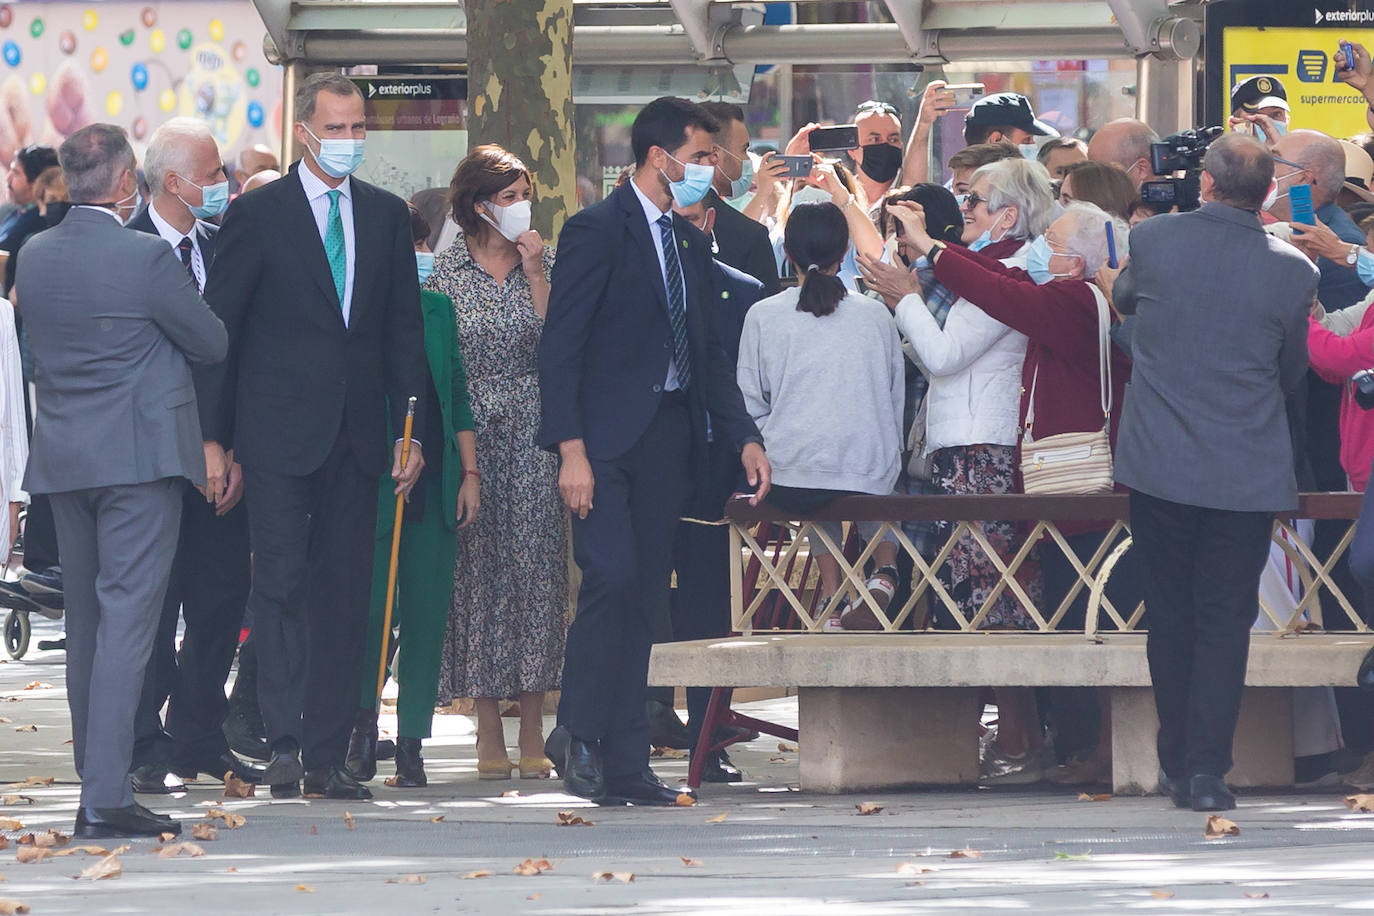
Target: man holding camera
x,y
1207,390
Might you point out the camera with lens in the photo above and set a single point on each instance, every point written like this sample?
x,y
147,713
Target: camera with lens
x,y
1363,385
1180,152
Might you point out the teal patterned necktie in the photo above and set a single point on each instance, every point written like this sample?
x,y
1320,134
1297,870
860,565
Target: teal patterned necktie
x,y
334,246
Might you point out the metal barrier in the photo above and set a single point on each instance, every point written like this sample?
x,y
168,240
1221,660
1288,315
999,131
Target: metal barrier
x,y
774,585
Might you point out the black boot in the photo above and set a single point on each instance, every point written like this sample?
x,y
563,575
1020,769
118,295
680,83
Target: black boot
x,y
361,761
410,766
243,727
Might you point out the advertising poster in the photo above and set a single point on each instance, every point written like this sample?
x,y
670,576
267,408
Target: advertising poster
x,y
1301,59
416,131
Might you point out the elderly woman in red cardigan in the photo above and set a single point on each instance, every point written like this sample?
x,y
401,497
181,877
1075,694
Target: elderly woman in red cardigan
x,y
1054,302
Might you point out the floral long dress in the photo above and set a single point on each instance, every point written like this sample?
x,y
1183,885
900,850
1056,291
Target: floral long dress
x,y
508,619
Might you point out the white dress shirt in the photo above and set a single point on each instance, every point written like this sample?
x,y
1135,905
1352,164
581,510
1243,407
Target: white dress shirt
x,y
652,213
317,192
14,431
173,237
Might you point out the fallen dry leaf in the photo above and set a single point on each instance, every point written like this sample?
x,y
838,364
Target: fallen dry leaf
x,y
348,819
232,868
787,748
531,867
27,855
534,896
16,800
204,830
1084,796
777,759
172,850
34,781
407,879
1257,895
719,818
1361,803
108,867
4,720
684,800
314,831
1218,827
237,788
437,819
667,752
690,863
1162,895
866,808
10,823
483,873
51,840
511,793
911,868
166,837
27,728
37,685
229,819
606,877
570,819
304,889
83,850
7,907
965,854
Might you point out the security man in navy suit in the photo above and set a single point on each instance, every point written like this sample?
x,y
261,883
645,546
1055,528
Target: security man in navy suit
x,y
210,575
629,366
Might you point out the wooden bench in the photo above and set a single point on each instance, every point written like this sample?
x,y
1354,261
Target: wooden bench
x,y
892,709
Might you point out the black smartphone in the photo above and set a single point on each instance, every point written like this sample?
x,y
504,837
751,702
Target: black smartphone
x,y
834,139
797,166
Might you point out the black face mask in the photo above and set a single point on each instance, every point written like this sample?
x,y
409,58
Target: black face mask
x,y
881,162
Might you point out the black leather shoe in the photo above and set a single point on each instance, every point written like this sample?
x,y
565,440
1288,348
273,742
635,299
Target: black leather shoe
x,y
644,789
335,782
1366,676
1209,793
243,727
1176,789
665,728
147,812
217,765
361,759
155,779
284,767
96,823
286,790
582,772
556,748
720,769
410,766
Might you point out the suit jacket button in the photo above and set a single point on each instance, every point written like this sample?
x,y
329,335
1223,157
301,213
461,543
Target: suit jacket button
x,y
657,389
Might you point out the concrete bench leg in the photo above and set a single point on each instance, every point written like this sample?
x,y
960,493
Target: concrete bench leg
x,y
1263,748
856,738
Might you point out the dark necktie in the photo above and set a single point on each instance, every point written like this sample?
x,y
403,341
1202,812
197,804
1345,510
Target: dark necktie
x,y
677,303
184,249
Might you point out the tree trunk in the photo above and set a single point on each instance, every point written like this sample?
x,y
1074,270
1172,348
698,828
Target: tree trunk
x,y
520,95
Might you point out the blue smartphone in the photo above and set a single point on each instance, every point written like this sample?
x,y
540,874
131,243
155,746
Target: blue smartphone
x,y
1349,55
1300,201
1111,246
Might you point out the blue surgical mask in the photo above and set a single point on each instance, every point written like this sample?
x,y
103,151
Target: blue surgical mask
x,y
1038,261
696,181
424,263
986,238
1029,151
1364,266
214,198
741,185
338,158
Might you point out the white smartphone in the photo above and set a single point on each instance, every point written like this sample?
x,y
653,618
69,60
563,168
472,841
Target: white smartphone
x,y
965,94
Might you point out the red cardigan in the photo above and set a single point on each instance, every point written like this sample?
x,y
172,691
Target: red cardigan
x,y
1336,359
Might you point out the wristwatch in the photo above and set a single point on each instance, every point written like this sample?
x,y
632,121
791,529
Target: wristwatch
x,y
1353,256
935,250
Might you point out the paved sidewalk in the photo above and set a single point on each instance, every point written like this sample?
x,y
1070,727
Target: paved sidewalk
x,y
777,850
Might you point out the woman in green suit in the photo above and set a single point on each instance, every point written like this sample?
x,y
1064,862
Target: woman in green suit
x,y
444,501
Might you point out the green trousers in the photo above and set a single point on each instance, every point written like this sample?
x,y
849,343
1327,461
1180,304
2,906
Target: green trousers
x,y
424,590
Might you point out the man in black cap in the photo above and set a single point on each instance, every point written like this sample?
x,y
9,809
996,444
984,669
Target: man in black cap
x,y
1005,116
1263,102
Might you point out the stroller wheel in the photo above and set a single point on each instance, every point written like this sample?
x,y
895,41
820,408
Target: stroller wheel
x,y
17,633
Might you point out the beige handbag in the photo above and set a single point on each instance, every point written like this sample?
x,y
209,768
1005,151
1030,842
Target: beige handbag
x,y
1073,464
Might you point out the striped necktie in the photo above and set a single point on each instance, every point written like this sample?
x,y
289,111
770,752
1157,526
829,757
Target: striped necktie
x,y
677,303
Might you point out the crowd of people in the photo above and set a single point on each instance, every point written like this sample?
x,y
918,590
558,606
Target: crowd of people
x,y
267,368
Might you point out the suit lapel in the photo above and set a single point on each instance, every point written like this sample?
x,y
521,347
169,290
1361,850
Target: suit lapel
x,y
368,245
299,222
644,240
205,237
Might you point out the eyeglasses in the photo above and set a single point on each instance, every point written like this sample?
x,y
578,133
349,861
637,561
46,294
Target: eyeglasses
x,y
971,200
871,106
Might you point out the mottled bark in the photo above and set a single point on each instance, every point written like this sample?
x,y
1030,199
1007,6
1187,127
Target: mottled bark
x,y
520,95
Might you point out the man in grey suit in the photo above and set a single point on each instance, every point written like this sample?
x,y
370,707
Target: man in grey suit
x,y
114,321
1205,448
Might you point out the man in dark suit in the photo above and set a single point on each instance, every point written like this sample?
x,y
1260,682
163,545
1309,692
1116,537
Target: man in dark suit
x,y
737,240
315,279
1214,354
629,365
209,580
117,431
25,219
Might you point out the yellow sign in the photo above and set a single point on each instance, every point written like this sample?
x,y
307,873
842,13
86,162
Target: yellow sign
x,y
1301,59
